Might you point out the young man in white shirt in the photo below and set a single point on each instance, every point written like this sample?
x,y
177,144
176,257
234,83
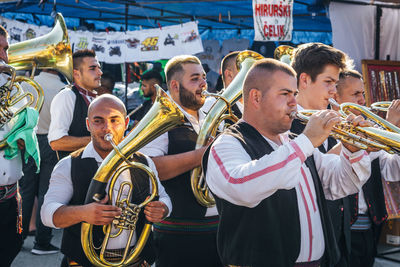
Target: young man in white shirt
x,y
67,131
64,206
270,191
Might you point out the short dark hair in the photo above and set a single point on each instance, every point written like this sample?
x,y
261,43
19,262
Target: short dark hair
x,y
227,61
174,65
78,55
311,58
270,66
3,32
343,76
152,74
349,73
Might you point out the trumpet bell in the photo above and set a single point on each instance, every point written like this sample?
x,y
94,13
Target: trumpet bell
x,y
50,51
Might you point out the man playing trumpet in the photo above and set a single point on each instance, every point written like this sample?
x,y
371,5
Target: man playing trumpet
x,y
270,192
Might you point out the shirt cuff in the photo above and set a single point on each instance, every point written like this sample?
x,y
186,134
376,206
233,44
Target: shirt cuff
x,y
302,146
55,135
353,157
48,216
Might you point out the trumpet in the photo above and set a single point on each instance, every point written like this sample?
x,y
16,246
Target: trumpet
x,y
386,137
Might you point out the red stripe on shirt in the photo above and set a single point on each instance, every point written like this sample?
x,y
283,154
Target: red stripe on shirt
x,y
356,159
252,176
298,151
308,188
310,235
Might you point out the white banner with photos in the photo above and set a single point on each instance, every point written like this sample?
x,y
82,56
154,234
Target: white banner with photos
x,y
120,47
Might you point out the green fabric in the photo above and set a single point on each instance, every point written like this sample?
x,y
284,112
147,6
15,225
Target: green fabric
x,y
24,129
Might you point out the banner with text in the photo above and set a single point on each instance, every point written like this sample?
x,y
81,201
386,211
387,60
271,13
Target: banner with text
x,y
273,20
120,47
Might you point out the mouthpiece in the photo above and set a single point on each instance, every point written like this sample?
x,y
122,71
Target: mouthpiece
x,y
293,115
333,103
108,137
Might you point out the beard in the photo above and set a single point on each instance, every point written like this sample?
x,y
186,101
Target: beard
x,y
188,99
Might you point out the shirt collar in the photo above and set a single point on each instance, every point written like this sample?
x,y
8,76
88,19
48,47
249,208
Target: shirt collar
x,y
90,152
85,92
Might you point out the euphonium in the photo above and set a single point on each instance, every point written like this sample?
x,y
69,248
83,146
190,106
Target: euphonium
x,y
386,137
163,116
215,116
50,51
13,98
284,53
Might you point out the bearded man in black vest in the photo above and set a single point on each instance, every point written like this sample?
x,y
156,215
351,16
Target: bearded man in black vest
x,y
270,191
188,236
67,131
64,206
367,208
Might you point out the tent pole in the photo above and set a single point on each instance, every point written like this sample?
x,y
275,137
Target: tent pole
x,y
378,31
126,64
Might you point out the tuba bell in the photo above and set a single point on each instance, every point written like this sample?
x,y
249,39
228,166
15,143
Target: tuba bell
x,y
215,116
163,116
284,53
50,51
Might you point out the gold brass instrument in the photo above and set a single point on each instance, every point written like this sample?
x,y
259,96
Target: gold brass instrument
x,y
163,116
284,53
386,137
215,116
380,106
50,51
13,98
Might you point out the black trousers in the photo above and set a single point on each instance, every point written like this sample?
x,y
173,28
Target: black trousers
x,y
363,248
176,250
10,240
36,184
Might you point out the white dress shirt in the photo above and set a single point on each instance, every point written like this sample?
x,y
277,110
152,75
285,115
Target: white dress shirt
x,y
159,146
51,84
233,176
62,112
61,190
10,169
390,169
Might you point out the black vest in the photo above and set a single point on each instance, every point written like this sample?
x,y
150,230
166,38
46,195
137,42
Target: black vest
x,y
338,209
182,139
373,194
82,172
78,124
268,234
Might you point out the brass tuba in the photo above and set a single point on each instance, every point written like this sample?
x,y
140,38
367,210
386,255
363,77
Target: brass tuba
x,y
284,53
50,51
163,116
215,116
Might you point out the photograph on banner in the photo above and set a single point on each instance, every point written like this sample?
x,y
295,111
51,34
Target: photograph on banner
x,y
170,42
150,45
80,40
273,20
190,38
98,44
132,41
115,47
